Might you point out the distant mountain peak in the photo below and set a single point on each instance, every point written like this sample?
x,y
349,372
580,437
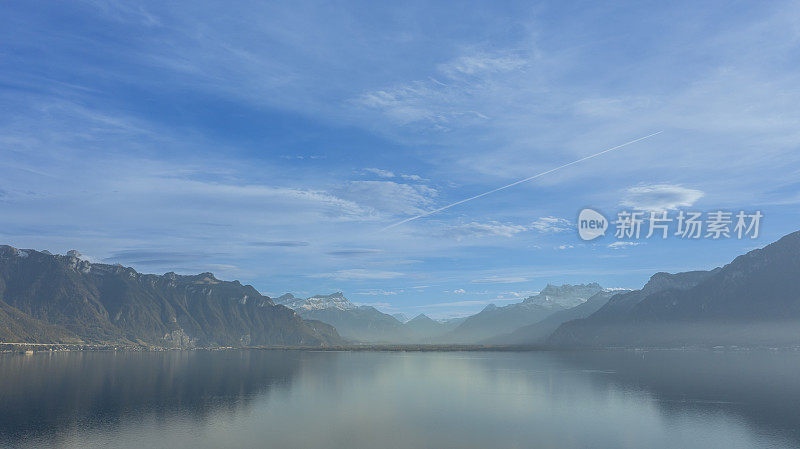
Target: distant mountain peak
x,y
336,295
401,317
334,301
566,295
420,318
555,290
10,251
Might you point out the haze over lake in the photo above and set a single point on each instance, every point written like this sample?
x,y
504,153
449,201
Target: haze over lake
x,y
249,398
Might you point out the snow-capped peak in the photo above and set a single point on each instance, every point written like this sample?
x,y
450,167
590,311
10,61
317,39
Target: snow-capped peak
x,y
564,295
317,302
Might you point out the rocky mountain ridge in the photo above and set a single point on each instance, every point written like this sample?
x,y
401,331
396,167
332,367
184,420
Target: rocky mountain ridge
x,y
68,298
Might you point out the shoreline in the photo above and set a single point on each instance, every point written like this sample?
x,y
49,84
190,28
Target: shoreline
x,y
22,347
31,348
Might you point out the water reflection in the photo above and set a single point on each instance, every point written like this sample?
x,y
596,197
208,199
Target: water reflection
x,y
46,396
760,387
387,400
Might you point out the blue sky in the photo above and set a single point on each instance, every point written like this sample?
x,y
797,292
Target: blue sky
x,y
273,143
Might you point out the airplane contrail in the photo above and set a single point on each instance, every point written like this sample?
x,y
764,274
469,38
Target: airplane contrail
x,y
519,182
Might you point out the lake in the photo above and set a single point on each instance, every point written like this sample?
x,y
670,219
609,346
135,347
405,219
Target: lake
x,y
305,399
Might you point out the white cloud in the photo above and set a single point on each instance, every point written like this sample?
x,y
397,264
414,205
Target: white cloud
x,y
250,195
379,172
621,245
496,229
563,247
454,100
521,294
459,291
466,303
353,252
404,104
355,274
612,107
412,177
377,292
660,197
481,63
500,280
551,224
490,229
389,196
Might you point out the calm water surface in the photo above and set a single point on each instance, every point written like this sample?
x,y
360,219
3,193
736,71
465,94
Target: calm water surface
x,y
277,399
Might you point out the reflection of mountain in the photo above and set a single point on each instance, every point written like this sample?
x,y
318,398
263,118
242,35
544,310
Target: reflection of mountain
x,y
659,399
752,301
760,386
493,321
53,298
44,395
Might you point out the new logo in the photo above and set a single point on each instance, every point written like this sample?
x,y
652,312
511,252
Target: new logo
x,y
591,224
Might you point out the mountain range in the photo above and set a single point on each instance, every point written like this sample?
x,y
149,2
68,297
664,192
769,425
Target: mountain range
x,y
537,333
752,301
48,298
355,323
365,324
493,321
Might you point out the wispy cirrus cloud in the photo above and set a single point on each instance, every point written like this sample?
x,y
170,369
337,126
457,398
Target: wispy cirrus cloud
x,y
390,174
551,224
378,292
357,274
314,201
623,244
476,229
353,252
500,280
156,256
389,197
281,243
466,303
482,63
488,229
380,172
451,97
